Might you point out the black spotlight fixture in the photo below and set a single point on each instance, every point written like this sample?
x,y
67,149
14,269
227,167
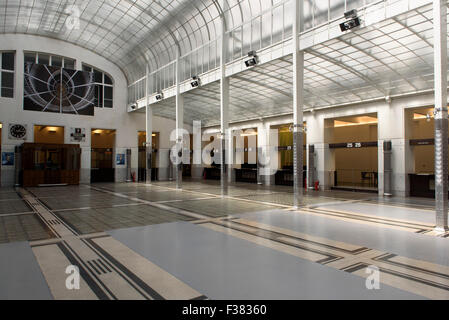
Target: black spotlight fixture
x,y
196,82
159,96
352,21
134,106
253,59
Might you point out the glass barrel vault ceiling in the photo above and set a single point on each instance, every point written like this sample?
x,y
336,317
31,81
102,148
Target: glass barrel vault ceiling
x,y
392,58
133,32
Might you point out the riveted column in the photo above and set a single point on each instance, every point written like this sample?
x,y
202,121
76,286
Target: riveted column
x,y
224,112
179,126
441,116
149,129
298,104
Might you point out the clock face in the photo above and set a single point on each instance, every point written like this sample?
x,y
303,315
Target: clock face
x,y
18,131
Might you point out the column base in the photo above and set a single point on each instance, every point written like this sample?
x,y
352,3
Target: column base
x,y
441,231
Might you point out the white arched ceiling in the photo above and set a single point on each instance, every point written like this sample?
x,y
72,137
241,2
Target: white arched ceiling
x,y
132,33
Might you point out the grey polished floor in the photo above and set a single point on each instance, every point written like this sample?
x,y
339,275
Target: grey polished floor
x,y
194,242
224,267
20,275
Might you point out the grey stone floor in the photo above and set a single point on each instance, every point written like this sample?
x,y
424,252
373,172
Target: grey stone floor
x,y
20,275
224,267
223,259
22,228
98,220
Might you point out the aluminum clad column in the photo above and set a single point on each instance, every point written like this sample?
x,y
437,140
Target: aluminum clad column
x,y
179,126
149,129
441,116
298,104
388,168
311,167
224,110
128,165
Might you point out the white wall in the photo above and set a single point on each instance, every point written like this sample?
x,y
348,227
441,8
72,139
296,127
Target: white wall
x,y
126,124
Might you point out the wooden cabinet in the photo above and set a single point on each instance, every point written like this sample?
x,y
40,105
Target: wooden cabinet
x,y
50,164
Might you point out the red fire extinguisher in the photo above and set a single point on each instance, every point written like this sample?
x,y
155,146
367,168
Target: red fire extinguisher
x,y
317,186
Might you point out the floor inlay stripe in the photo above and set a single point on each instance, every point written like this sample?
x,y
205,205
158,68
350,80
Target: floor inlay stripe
x,y
103,275
403,273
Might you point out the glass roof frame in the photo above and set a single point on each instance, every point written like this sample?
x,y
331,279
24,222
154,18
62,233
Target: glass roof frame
x,y
392,58
134,33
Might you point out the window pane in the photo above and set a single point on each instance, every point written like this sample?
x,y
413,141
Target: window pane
x,y
30,57
7,80
107,103
107,79
108,92
43,58
7,93
69,64
99,96
8,61
98,76
56,61
87,68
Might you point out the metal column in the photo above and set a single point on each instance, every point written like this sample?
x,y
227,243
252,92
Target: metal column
x,y
224,111
179,125
388,171
128,165
149,130
298,104
311,167
441,116
17,165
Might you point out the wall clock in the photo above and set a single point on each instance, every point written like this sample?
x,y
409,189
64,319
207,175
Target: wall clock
x,y
17,131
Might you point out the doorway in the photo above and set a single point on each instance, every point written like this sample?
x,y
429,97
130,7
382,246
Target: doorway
x,y
420,129
284,175
353,143
246,147
48,134
102,155
142,167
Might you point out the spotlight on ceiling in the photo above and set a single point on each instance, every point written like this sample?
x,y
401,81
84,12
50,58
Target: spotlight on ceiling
x,y
253,59
196,82
133,106
352,21
159,96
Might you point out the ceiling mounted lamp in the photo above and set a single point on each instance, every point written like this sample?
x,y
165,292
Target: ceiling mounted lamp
x,y
352,21
159,96
196,82
253,59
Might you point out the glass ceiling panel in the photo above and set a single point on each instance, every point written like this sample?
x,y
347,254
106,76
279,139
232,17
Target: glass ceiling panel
x,y
124,31
394,59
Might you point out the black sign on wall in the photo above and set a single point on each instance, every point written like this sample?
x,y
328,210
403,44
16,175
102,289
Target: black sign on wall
x,y
78,135
354,145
